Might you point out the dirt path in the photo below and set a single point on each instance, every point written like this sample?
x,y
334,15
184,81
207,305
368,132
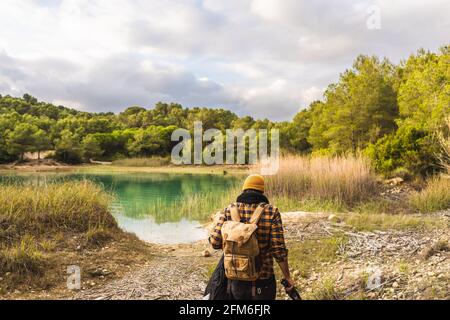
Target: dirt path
x,y
167,278
178,272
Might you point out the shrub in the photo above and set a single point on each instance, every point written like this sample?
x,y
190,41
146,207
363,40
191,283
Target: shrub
x,y
74,206
143,162
22,258
326,289
439,246
443,137
410,148
434,197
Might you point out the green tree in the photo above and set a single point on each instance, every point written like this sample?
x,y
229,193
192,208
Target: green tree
x,y
30,99
424,102
21,139
68,148
424,92
154,140
7,123
41,142
357,110
90,148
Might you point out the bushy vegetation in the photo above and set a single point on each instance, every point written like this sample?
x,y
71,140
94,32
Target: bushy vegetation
x,y
409,148
434,197
443,136
389,111
30,216
23,257
143,162
76,206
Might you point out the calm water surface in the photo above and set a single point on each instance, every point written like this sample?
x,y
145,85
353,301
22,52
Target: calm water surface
x,y
140,199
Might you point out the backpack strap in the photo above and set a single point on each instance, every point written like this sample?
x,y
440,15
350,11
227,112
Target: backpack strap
x,y
234,212
257,213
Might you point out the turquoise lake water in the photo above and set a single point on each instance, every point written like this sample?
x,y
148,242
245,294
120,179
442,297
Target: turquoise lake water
x,y
141,198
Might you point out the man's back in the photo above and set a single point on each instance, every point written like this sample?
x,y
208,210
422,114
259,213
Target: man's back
x,y
269,234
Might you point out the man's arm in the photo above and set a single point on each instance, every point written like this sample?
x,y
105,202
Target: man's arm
x,y
284,266
215,237
278,247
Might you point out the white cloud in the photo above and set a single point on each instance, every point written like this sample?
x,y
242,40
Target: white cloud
x,y
266,58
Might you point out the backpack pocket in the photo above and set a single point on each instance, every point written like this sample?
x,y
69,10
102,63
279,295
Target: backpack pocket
x,y
240,267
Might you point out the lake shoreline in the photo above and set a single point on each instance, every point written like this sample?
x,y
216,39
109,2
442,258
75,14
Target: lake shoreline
x,y
182,169
156,206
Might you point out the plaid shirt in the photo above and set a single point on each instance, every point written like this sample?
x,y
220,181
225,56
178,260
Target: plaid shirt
x,y
269,234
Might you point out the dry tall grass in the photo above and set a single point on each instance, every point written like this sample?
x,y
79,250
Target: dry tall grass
x,y
343,180
434,197
29,214
77,206
22,257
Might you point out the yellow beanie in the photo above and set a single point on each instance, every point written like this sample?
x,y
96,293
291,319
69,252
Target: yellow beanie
x,y
254,181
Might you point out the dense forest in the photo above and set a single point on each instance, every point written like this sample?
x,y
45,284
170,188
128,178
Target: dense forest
x,y
389,112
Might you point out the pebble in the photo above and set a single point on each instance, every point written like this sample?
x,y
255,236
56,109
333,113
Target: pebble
x,y
395,284
334,218
206,253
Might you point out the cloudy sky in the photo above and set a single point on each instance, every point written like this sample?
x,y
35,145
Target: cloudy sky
x,y
265,58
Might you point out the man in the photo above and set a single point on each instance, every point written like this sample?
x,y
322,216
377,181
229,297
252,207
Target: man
x,y
270,238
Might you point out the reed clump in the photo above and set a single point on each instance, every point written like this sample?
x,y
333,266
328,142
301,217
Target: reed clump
x,y
31,217
434,197
22,257
75,206
342,180
199,206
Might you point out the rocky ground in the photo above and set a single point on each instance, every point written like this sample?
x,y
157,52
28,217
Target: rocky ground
x,y
177,272
389,264
407,264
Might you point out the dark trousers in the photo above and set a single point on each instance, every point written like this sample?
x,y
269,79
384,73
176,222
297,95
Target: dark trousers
x,y
265,289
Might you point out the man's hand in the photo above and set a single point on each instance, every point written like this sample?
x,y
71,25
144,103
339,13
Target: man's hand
x,y
289,287
291,284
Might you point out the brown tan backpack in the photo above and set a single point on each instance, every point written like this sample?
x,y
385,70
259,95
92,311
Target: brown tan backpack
x,y
240,245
